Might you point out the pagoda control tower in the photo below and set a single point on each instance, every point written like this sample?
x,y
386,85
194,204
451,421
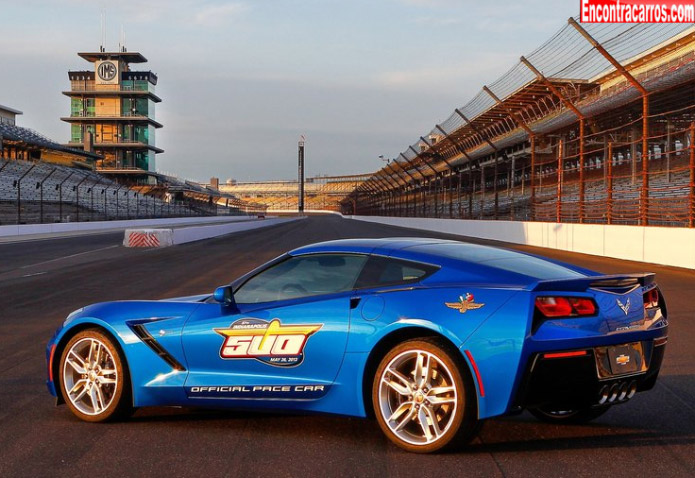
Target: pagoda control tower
x,y
112,111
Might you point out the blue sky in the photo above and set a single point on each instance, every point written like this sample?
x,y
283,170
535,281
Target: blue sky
x,y
242,80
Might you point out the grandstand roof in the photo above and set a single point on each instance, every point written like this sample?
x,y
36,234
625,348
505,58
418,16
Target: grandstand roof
x,y
30,137
10,110
126,56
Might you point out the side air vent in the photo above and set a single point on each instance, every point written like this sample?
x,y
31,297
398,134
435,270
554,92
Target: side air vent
x,y
150,341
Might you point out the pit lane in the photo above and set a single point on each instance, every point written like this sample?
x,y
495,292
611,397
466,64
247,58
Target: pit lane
x,y
654,434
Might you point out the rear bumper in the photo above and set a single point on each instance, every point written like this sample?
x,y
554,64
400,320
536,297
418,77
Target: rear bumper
x,y
573,381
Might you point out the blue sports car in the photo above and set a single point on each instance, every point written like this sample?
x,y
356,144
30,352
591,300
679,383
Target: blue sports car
x,y
428,336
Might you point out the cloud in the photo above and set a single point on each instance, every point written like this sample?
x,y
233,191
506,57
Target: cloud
x,y
453,77
196,12
429,3
439,21
215,15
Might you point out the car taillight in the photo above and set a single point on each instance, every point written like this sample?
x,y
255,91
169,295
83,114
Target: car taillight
x,y
651,299
555,307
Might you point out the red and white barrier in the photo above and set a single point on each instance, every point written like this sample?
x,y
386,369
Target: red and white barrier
x,y
148,238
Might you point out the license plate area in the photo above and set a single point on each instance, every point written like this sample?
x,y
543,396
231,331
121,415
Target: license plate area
x,y
619,360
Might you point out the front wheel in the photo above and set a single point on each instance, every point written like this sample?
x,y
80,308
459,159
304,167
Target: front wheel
x,y
577,416
422,400
94,381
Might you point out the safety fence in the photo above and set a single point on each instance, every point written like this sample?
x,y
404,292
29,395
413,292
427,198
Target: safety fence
x,y
595,126
39,192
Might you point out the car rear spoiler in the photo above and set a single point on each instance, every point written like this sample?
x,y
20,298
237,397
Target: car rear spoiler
x,y
618,283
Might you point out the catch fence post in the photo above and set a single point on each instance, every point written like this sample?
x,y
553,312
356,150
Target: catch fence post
x,y
533,178
560,167
609,192
691,190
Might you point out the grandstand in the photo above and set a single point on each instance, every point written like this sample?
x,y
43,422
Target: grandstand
x,y
321,193
42,181
594,126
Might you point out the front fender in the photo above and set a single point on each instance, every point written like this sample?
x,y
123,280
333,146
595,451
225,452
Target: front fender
x,y
153,380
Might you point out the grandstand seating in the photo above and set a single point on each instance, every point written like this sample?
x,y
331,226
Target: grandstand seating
x,y
321,193
84,195
668,193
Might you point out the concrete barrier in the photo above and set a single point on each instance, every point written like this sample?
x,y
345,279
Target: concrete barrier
x,y
164,237
671,246
62,227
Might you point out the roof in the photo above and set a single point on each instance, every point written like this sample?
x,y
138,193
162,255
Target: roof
x,y
30,137
126,56
461,262
10,110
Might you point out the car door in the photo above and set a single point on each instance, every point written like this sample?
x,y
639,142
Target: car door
x,y
284,339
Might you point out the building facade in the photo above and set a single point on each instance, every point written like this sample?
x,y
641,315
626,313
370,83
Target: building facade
x,y
112,111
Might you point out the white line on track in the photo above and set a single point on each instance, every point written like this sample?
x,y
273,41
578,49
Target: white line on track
x,y
71,255
34,274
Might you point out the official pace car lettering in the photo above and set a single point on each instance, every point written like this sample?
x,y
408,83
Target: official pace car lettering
x,y
464,304
254,392
270,342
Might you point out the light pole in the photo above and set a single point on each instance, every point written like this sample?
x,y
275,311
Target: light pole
x,y
300,160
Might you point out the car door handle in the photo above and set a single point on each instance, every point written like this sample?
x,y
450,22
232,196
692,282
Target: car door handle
x,y
354,302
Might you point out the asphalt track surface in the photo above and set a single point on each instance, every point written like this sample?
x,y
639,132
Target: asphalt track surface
x,y
42,281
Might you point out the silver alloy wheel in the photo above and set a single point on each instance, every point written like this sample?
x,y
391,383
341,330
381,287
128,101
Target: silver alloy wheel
x,y
417,397
90,376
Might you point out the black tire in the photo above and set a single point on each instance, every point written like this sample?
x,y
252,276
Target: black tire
x,y
578,416
459,414
112,400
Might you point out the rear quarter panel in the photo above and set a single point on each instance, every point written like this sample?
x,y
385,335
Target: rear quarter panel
x,y
494,333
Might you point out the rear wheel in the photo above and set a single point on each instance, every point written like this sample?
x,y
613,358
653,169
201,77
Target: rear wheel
x,y
580,415
422,400
94,381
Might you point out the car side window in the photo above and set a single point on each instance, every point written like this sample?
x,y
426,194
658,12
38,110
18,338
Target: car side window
x,y
382,271
302,276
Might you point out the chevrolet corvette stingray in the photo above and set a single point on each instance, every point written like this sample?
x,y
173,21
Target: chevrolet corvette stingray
x,y
430,337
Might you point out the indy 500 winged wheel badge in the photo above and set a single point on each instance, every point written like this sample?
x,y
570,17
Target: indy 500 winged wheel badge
x,y
465,303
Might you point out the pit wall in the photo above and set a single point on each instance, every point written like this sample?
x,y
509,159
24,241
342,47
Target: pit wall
x,y
669,246
78,227
165,237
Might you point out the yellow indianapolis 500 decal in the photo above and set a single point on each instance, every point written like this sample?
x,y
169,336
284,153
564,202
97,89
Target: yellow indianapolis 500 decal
x,y
270,342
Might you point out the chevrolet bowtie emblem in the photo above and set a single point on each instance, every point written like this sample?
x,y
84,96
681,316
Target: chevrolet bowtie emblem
x,y
625,307
464,304
622,359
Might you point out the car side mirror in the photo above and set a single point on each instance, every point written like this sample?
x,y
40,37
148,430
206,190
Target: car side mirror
x,y
224,296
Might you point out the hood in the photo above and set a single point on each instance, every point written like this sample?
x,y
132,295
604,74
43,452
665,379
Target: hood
x,y
188,298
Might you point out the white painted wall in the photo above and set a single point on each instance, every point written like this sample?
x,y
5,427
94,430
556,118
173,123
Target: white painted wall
x,y
169,237
670,246
61,227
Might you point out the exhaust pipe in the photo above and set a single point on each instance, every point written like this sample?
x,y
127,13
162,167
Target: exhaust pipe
x,y
617,392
